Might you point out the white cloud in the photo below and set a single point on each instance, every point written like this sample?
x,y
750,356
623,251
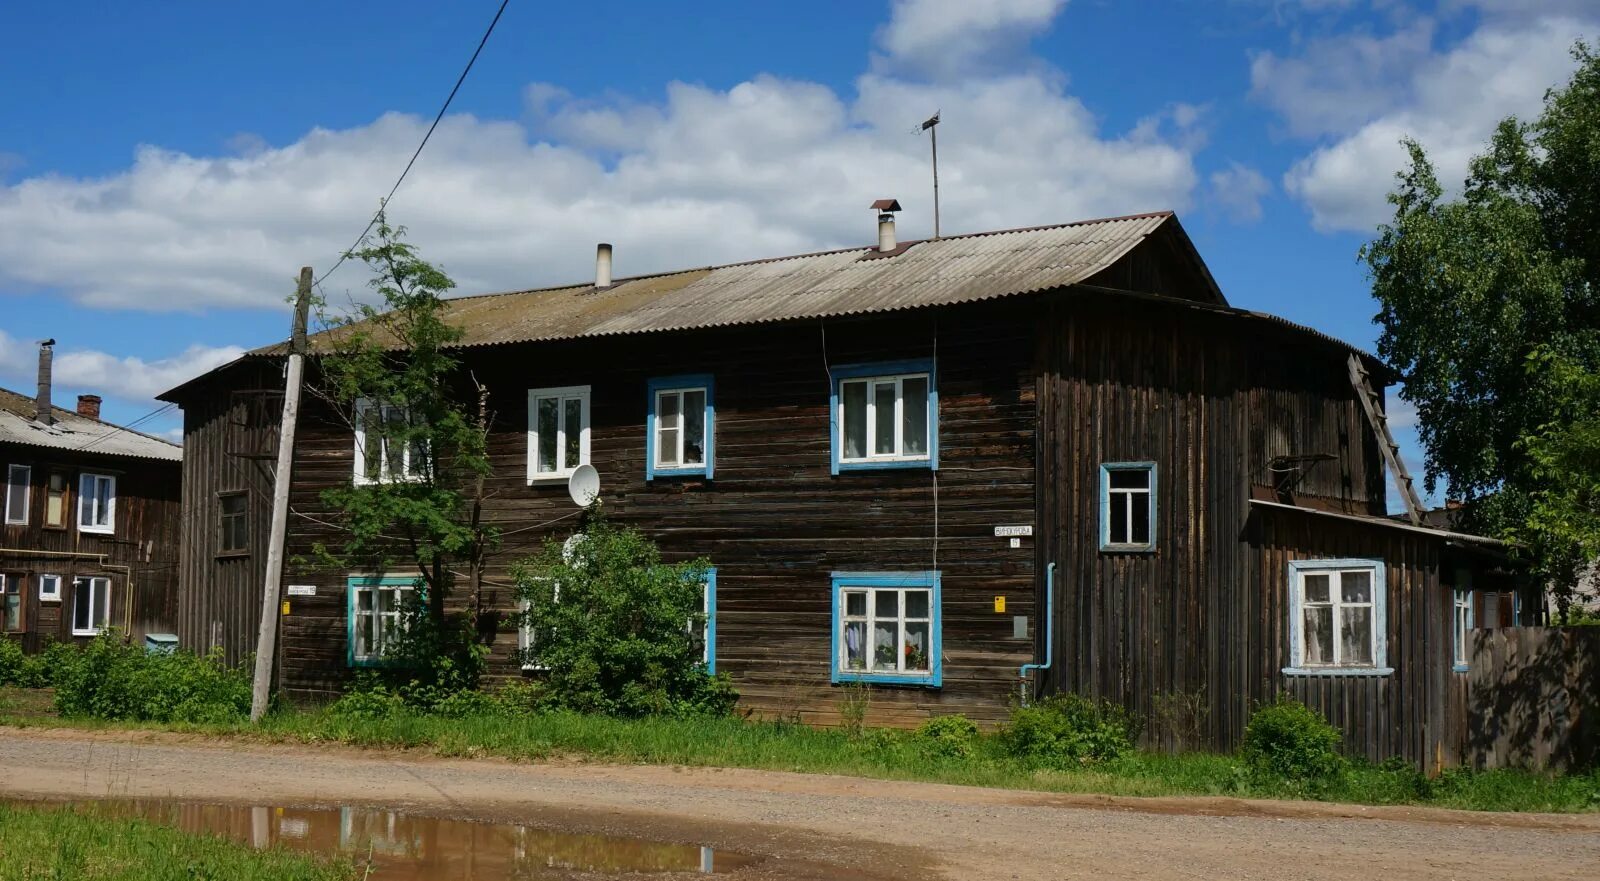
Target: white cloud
x,y
1369,93
128,378
1238,191
768,167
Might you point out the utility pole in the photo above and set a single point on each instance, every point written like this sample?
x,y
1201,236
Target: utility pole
x,y
267,635
930,126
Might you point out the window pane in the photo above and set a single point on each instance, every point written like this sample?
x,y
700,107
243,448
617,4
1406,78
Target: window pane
x,y
573,425
1357,586
102,602
855,637
670,421
393,442
102,511
883,418
86,501
372,448
17,495
80,604
855,419
55,505
1317,587
1318,624
13,609
1117,519
547,425
668,409
886,604
884,645
694,428
916,604
667,447
1129,478
916,647
855,604
1140,504
914,416
1355,635
417,466
232,505
363,646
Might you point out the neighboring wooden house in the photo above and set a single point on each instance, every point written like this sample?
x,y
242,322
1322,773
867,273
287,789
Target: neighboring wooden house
x,y
89,529
899,460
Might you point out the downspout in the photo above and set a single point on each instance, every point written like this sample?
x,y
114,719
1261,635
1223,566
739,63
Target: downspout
x,y
1049,633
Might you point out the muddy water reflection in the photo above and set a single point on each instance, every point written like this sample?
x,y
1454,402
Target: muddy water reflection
x,y
408,847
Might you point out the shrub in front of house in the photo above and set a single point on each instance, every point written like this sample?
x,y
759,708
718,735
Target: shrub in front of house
x,y
949,737
1288,743
112,680
1068,730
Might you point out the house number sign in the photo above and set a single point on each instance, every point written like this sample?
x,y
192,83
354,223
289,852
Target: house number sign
x,y
1013,531
302,590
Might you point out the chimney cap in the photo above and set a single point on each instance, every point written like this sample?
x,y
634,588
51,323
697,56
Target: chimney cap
x,y
885,205
47,343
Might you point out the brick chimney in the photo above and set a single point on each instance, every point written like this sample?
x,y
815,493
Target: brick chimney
x,y
89,405
43,412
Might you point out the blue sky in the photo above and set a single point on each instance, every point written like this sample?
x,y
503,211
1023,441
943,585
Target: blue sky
x,y
166,168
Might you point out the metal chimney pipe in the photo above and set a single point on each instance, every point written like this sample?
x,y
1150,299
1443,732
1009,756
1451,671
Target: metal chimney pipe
x,y
45,413
602,265
886,242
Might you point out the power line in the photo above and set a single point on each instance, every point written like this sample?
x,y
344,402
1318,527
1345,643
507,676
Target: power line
x,y
116,429
401,179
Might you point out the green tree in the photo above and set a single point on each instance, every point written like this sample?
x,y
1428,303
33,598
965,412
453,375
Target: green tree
x,y
1490,306
618,630
422,421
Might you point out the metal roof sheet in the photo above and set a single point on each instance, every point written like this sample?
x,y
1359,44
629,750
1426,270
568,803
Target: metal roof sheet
x,y
71,431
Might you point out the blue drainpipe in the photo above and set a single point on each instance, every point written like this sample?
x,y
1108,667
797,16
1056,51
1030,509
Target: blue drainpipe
x,y
1049,631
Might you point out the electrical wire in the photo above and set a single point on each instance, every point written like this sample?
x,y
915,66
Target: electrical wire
x,y
117,429
436,119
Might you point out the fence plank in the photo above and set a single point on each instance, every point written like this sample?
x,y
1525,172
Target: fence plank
x,y
1533,698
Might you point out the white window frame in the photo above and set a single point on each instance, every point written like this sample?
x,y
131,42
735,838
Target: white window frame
x,y
92,500
99,597
6,589
899,454
563,469
19,518
872,585
49,588
380,631
1378,604
1461,614
410,472
657,466
525,638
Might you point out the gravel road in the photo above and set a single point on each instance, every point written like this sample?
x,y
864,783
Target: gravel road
x,y
814,826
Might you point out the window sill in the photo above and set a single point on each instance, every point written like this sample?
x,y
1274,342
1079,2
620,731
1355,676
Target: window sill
x,y
232,555
1337,671
926,680
697,471
1128,549
922,462
76,632
98,530
551,478
44,599
1460,668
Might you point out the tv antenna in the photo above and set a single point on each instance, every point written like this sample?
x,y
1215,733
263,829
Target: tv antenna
x,y
933,133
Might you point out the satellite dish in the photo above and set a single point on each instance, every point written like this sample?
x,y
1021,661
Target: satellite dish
x,y
584,485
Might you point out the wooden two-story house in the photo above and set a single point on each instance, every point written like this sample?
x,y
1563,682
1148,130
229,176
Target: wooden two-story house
x,y
89,528
959,470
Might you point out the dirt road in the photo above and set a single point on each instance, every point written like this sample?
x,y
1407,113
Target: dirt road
x,y
829,827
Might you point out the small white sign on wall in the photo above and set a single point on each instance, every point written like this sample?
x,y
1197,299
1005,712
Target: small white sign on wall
x,y
1013,531
302,590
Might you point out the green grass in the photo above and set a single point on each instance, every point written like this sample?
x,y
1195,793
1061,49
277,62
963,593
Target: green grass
x,y
735,743
59,842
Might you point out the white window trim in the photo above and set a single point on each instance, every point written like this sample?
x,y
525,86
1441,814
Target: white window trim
x,y
899,454
410,472
399,616
525,633
19,518
683,421
99,588
52,593
110,526
1298,570
564,469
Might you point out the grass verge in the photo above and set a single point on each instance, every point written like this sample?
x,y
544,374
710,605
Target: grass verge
x,y
60,842
875,753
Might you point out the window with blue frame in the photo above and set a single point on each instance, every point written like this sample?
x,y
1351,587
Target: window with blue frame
x,y
886,628
1128,506
376,607
1337,618
680,427
704,630
884,416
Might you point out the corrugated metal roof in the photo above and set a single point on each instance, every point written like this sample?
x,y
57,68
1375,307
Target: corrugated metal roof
x,y
71,431
1386,522
957,269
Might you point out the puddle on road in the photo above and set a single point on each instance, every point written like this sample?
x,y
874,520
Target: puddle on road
x,y
411,847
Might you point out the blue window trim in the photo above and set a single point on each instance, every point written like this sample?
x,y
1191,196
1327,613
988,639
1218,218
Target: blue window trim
x,y
840,372
1105,507
711,620
934,678
669,383
350,586
1455,636
1380,618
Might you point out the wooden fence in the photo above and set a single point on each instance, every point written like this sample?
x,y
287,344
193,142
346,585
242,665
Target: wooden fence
x,y
1533,698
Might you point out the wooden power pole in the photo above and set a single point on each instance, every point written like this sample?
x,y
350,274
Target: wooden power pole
x,y
267,635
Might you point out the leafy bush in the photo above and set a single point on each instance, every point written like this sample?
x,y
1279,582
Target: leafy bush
x,y
110,680
429,661
951,737
1068,729
617,629
1287,742
367,700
